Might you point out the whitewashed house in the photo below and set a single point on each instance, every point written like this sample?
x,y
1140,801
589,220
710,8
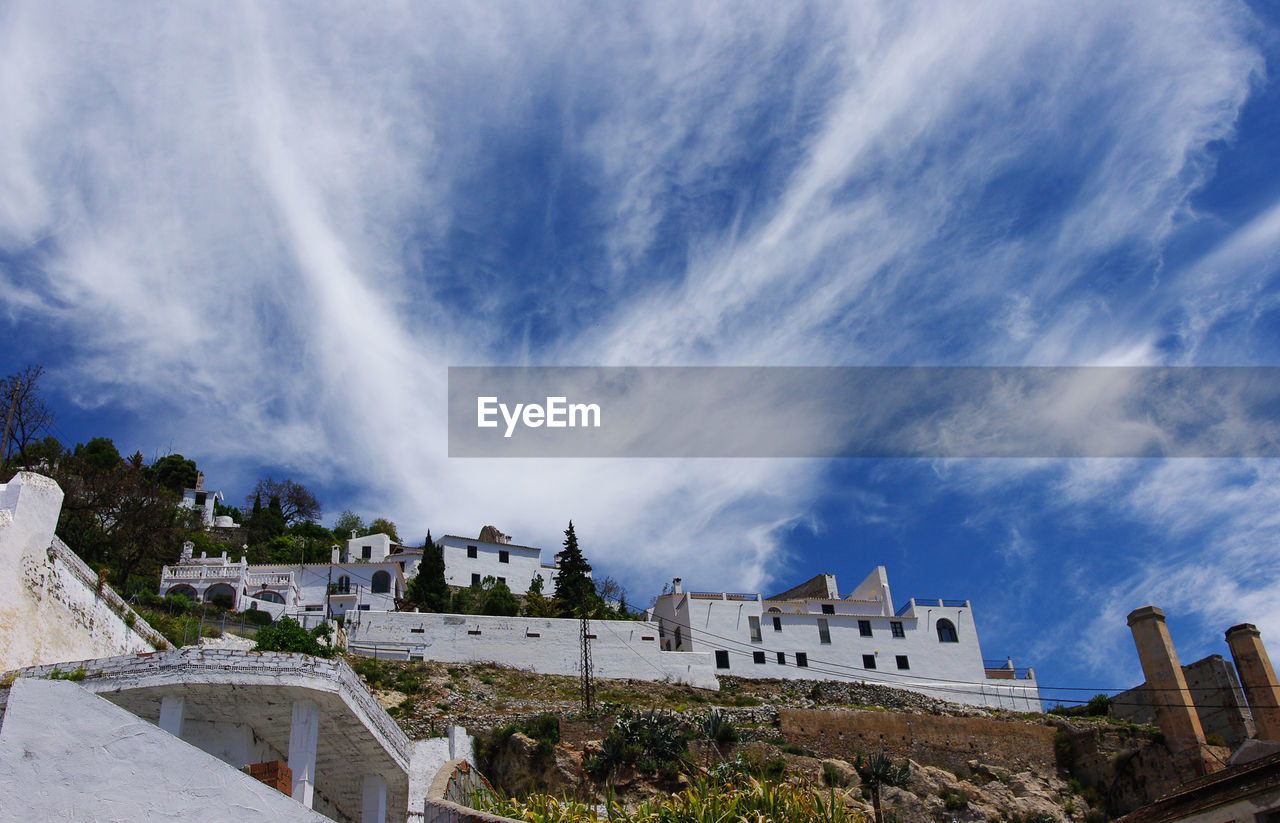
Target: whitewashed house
x,y
812,632
469,560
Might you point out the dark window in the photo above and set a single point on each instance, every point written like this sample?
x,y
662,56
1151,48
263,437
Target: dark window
x,y
381,582
824,631
475,578
314,608
782,658
502,580
344,585
676,634
895,628
828,608
864,628
504,556
802,659
777,624
947,631
868,661
754,624
757,657
417,631
472,552
902,662
364,607
722,659
200,498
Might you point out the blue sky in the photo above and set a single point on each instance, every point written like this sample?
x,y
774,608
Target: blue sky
x,y
258,235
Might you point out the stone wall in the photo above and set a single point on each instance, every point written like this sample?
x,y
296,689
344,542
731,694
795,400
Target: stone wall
x,y
947,742
450,793
52,606
1216,692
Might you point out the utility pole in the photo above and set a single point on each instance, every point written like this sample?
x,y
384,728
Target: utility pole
x,y
8,420
587,673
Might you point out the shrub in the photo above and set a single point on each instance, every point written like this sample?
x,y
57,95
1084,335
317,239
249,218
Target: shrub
x,y
954,801
289,636
833,776
257,617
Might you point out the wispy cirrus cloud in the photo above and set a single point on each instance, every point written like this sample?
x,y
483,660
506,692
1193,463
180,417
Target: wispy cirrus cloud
x,y
279,224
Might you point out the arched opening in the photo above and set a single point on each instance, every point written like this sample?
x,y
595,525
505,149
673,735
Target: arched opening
x,y
381,583
947,631
270,596
184,590
220,594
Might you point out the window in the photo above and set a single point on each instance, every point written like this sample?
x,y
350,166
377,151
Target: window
x,y
782,658
200,498
364,607
758,657
475,578
802,660
366,552
895,628
868,661
722,659
502,580
864,628
777,624
381,583
947,631
472,552
824,631
344,585
754,623
416,631
314,608
504,556
828,608
902,662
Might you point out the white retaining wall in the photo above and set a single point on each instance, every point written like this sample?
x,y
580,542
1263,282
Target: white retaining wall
x,y
621,649
52,608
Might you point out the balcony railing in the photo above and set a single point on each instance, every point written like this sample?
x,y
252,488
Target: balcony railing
x,y
228,572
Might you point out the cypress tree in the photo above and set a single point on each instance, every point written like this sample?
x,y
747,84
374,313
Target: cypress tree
x,y
574,589
428,590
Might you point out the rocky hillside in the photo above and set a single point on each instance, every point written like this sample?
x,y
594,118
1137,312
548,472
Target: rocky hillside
x,y
967,764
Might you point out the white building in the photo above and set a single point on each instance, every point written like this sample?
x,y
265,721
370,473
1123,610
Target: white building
x,y
812,632
203,501
469,560
300,589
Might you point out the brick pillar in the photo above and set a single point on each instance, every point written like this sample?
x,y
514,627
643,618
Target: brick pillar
x,y
1175,712
1258,679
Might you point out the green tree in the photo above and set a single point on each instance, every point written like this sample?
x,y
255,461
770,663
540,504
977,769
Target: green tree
x,y
381,525
175,473
297,503
498,599
347,523
536,604
574,591
878,771
264,523
99,454
428,589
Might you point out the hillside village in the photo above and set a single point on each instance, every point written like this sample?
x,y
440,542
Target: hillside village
x,y
399,712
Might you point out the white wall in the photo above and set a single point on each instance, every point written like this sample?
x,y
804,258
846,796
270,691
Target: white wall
x,y
51,608
379,546
949,671
522,564
622,648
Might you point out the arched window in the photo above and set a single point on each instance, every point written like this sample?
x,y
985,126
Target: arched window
x,y
947,631
269,596
344,585
222,595
381,582
184,590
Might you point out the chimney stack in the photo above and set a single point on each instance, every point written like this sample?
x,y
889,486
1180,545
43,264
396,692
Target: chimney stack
x,y
1168,690
1258,679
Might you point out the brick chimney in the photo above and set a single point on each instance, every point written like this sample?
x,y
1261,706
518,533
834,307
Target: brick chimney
x,y
1258,679
1175,712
